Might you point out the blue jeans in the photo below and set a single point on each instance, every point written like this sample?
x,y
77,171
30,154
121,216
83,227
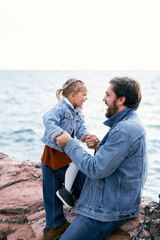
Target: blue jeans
x,y
86,228
52,181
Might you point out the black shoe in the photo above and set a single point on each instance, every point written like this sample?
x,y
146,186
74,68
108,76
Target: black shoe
x,y
65,197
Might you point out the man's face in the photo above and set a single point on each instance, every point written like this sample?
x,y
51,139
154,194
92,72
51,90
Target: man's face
x,y
110,100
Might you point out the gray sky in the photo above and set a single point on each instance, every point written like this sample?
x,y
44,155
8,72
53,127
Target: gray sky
x,y
79,34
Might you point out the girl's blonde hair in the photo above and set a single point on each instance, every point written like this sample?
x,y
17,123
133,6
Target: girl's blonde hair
x,y
71,85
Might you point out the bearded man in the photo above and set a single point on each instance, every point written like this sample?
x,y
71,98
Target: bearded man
x,y
116,174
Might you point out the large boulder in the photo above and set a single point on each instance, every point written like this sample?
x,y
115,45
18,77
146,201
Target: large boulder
x,y
22,213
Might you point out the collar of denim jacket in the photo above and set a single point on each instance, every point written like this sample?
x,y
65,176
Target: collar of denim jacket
x,y
77,109
118,117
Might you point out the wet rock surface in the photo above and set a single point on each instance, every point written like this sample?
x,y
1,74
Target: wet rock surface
x,y
22,213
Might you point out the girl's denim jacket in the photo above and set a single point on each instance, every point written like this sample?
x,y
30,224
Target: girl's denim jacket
x,y
117,173
63,117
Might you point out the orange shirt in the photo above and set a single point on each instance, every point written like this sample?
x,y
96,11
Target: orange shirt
x,y
54,158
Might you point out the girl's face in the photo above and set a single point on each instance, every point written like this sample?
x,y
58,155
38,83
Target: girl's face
x,y
80,97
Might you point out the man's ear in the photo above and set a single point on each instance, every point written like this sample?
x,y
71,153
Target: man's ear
x,y
121,100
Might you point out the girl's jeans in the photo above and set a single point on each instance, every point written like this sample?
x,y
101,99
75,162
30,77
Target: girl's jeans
x,y
52,181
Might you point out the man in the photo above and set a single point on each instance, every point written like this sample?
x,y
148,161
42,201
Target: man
x,y
116,174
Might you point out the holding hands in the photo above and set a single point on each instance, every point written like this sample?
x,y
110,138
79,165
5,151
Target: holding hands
x,y
91,140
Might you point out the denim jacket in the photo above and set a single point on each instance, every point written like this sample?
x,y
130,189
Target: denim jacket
x,y
63,117
117,173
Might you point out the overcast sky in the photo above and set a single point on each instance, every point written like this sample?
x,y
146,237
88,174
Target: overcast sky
x,y
80,34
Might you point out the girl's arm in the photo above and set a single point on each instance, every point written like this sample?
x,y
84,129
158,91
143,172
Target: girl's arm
x,y
51,122
83,134
82,130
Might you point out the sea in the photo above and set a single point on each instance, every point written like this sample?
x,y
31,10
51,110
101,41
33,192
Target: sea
x,y
26,95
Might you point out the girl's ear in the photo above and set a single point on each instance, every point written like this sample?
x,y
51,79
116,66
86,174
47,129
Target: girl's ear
x,y
72,95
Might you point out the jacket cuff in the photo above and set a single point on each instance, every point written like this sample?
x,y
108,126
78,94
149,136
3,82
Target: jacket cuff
x,y
83,134
56,133
69,145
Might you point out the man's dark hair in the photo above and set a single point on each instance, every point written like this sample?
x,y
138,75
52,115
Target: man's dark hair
x,y
128,88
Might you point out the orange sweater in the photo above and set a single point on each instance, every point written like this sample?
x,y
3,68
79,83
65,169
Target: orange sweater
x,y
54,158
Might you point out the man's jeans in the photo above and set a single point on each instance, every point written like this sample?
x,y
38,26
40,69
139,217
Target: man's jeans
x,y
83,228
52,181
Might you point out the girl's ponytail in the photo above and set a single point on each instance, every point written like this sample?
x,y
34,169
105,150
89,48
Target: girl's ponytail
x,y
58,93
71,85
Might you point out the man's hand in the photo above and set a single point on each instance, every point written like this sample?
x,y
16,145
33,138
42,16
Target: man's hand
x,y
63,139
91,140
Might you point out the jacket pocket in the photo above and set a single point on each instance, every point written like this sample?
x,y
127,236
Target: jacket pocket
x,y
68,115
101,192
79,118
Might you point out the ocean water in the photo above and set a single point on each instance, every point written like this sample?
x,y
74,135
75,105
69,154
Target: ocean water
x,y
26,95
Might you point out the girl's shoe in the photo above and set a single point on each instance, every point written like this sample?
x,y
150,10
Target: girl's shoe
x,y
65,197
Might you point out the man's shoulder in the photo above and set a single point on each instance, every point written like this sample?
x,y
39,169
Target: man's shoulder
x,y
132,125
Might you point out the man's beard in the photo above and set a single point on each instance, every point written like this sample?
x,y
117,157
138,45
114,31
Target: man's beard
x,y
112,110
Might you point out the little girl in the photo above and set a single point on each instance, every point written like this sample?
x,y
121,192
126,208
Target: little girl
x,y
66,115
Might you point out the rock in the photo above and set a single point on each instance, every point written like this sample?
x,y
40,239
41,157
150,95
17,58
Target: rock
x,y
22,214
20,198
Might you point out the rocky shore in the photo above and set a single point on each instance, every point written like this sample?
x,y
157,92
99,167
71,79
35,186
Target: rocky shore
x,y
22,213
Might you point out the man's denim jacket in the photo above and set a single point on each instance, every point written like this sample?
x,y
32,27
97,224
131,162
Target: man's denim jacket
x,y
63,117
117,173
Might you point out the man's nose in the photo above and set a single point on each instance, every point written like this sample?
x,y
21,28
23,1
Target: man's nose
x,y
104,99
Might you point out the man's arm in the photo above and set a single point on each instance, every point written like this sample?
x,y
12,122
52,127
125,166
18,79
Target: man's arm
x,y
106,160
91,140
